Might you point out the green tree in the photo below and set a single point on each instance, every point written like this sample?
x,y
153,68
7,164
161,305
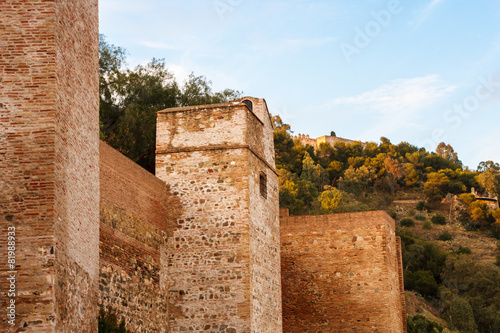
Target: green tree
x,y
467,198
435,188
489,181
447,152
130,98
111,62
289,192
313,172
324,153
420,324
357,180
462,316
411,176
197,90
308,193
422,282
335,170
487,165
329,199
286,155
479,211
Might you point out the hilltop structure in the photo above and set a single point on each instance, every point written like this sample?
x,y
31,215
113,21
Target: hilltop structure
x,y
490,200
329,139
201,247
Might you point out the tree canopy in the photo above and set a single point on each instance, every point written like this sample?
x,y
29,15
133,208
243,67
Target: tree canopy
x,y
130,98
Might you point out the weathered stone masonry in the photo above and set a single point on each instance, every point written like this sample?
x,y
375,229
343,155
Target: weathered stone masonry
x,y
49,181
341,273
223,260
137,214
198,250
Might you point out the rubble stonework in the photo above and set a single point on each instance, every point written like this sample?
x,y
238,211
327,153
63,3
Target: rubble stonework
x,y
197,249
223,259
137,212
341,273
49,179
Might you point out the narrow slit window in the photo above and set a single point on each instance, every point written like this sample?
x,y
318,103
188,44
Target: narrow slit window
x,y
263,185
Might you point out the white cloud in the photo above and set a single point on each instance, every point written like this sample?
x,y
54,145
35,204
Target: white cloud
x,y
400,96
396,105
181,74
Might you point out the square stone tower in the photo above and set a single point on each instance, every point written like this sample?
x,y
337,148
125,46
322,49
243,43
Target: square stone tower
x,y
222,264
49,165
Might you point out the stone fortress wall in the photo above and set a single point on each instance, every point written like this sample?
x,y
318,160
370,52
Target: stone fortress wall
x,y
223,259
49,155
341,273
305,139
196,249
137,215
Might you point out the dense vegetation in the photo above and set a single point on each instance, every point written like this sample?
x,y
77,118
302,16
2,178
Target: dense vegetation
x,y
343,178
362,176
357,177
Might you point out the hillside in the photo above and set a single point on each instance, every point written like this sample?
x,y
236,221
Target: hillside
x,y
449,236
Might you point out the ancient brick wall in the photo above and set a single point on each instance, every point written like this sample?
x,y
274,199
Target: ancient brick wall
x,y
49,162
341,273
137,213
218,280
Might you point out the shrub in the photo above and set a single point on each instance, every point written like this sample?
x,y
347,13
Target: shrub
x,y
422,282
497,262
462,315
445,236
421,205
494,231
420,217
412,212
407,222
427,225
438,219
467,198
464,250
470,226
420,324
393,214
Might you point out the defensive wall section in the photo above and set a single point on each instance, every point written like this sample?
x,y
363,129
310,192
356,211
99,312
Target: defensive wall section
x,y
331,140
137,213
196,249
49,154
341,273
223,258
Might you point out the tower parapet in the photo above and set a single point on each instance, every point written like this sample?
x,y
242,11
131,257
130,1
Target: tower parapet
x,y
223,260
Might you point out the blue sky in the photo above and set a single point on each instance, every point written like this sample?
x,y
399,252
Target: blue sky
x,y
417,71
